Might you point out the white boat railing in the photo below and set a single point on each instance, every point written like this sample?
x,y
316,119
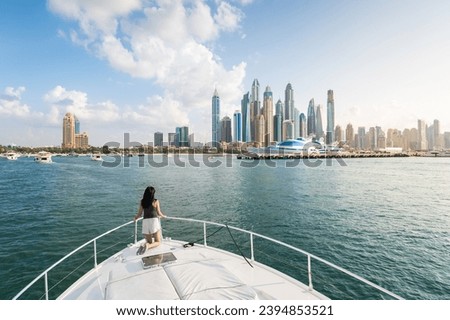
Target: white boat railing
x,y
251,234
94,241
307,254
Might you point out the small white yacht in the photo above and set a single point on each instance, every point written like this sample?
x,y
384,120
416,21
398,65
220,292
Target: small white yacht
x,y
97,157
11,156
184,270
43,157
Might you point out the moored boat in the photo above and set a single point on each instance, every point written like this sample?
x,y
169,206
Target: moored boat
x,y
11,156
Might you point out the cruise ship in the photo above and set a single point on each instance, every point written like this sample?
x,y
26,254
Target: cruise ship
x,y
299,145
289,146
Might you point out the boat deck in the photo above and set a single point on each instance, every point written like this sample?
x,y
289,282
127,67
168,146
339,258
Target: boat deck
x,y
198,273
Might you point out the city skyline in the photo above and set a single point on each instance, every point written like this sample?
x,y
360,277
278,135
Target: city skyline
x,y
120,67
269,128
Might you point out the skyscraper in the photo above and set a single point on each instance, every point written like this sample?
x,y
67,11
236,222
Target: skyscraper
x,y
338,133
72,138
302,121
373,138
255,106
215,138
182,136
422,134
260,129
191,141
288,129
158,139
277,127
68,140
255,91
245,109
319,125
438,140
279,108
279,112
77,125
289,103
268,116
330,118
171,138
237,126
361,143
447,140
311,121
226,129
296,121
381,138
350,135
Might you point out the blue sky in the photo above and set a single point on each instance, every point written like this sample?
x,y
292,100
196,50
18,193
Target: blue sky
x,y
141,66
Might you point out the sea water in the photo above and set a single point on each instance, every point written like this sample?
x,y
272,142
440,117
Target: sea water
x,y
385,219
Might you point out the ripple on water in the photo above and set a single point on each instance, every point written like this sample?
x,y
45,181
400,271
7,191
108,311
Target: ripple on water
x,y
384,219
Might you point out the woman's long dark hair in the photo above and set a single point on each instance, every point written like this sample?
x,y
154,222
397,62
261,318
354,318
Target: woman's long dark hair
x,y
148,197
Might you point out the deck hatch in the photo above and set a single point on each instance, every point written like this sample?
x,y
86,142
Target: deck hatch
x,y
158,260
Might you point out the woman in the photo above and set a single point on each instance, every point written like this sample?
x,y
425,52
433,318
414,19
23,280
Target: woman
x,y
151,226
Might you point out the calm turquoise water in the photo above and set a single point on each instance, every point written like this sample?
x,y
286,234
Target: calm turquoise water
x,y
387,220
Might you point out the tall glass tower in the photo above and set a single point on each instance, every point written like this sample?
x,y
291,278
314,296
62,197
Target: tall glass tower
x,y
330,118
361,138
255,106
245,109
268,116
319,125
422,134
289,103
182,136
158,139
237,126
77,125
215,125
350,135
226,129
296,121
279,109
311,125
277,127
302,120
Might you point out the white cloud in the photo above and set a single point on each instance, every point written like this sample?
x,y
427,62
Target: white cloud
x,y
228,17
167,42
62,101
95,15
150,113
11,103
244,2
